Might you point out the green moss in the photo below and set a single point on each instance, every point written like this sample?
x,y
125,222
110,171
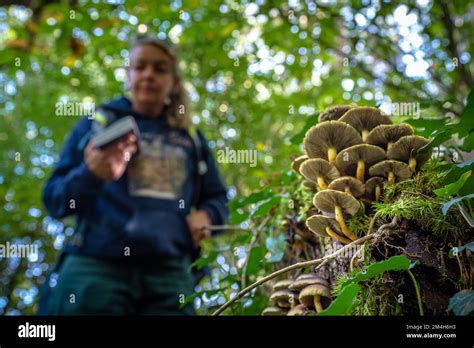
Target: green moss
x,y
359,223
414,200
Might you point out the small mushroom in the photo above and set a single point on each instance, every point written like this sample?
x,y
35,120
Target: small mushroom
x,y
337,202
373,187
274,311
311,296
393,170
326,227
385,135
307,279
365,119
297,162
284,298
333,113
298,310
354,159
281,285
319,171
406,150
348,184
326,139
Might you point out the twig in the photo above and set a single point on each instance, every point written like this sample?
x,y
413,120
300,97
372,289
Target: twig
x,y
383,231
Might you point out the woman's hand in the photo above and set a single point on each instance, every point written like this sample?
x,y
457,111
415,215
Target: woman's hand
x,y
197,222
111,162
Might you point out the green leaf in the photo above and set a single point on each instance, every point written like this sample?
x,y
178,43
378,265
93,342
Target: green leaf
x,y
438,138
344,303
466,125
204,260
454,187
462,303
455,171
448,204
237,217
395,263
298,138
468,144
264,208
255,259
276,247
425,126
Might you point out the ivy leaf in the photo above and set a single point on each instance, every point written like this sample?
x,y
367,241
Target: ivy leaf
x,y
344,303
454,187
276,247
462,303
395,263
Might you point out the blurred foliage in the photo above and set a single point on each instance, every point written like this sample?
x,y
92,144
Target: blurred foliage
x,y
257,74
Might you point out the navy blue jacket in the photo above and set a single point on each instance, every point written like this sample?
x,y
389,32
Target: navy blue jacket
x,y
143,214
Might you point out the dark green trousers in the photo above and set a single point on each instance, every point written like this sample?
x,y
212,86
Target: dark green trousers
x,y
90,286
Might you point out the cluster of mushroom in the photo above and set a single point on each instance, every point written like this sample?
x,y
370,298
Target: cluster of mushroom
x,y
304,295
350,153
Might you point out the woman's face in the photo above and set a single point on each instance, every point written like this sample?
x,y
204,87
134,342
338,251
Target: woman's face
x,y
150,76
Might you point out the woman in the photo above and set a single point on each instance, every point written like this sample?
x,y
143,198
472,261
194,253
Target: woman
x,y
142,205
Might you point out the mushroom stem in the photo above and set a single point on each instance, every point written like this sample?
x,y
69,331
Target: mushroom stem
x,y
389,145
347,189
412,164
360,170
332,153
322,183
317,304
340,219
378,192
391,178
334,235
365,133
292,301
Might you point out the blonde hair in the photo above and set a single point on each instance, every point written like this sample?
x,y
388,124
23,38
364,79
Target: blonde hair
x,y
177,110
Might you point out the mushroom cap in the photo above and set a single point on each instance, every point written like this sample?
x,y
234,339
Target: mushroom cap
x,y
407,147
283,304
281,285
327,200
388,133
347,159
297,162
282,296
329,134
372,183
318,223
399,169
307,294
333,113
356,186
273,311
307,280
365,118
315,167
298,310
